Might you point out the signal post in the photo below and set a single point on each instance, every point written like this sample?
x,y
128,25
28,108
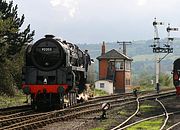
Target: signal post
x,y
157,49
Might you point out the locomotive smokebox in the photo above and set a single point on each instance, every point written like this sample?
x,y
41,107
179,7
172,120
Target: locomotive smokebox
x,y
48,53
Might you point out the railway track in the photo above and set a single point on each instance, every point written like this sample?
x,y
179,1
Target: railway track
x,y
173,126
28,116
152,118
123,125
41,119
14,109
18,114
18,121
166,114
124,122
157,98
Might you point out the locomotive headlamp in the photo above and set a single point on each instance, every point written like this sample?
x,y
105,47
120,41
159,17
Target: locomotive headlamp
x,y
45,81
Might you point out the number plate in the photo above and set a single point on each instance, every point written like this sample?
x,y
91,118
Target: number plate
x,y
46,49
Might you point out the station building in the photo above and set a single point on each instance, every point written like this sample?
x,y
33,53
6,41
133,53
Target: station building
x,y
114,66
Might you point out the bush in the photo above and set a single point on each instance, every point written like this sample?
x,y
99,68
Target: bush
x,y
145,78
99,92
7,81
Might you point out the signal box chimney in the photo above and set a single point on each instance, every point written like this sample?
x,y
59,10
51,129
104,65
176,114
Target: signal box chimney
x,y
103,48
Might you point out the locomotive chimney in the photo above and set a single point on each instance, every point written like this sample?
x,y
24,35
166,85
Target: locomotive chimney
x,y
103,48
49,36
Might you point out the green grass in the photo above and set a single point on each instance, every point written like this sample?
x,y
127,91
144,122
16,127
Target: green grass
x,y
123,112
147,88
147,108
100,92
7,101
152,87
154,124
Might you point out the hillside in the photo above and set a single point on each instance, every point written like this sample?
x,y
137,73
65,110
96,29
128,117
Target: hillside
x,y
141,52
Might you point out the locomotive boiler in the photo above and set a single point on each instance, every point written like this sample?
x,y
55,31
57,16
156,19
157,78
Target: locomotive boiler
x,y
54,69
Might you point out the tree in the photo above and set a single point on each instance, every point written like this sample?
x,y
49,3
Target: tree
x,y
12,41
165,80
11,38
145,79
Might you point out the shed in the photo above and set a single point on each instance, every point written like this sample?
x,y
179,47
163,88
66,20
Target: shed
x,y
105,85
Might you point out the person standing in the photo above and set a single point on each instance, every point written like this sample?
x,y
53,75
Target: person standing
x,y
87,60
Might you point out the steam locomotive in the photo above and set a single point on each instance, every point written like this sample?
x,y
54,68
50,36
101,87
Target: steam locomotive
x,y
176,75
53,70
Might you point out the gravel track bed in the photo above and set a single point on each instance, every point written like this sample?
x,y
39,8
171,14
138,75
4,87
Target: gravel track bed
x,y
119,114
172,104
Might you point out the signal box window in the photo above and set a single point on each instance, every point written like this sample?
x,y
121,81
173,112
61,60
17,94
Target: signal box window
x,y
119,65
128,65
101,85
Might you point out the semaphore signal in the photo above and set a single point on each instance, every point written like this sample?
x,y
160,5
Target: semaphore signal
x,y
170,39
158,49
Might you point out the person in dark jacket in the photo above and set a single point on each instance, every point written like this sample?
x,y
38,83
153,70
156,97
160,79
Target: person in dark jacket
x,y
87,60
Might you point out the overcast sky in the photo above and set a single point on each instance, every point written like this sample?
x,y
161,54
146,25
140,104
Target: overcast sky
x,y
94,21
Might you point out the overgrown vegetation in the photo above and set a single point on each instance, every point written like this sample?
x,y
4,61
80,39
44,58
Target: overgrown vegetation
x,y
154,124
12,41
147,108
146,81
123,112
98,92
7,101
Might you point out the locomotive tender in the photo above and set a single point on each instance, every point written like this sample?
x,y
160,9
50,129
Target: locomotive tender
x,y
53,69
176,75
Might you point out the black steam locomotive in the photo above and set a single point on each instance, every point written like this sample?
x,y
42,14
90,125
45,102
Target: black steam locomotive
x,y
53,70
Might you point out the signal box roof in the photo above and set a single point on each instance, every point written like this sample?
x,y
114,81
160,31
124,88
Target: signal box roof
x,y
113,54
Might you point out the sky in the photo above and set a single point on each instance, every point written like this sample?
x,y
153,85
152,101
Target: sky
x,y
94,21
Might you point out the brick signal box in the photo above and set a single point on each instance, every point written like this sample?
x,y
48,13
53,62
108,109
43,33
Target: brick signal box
x,y
115,66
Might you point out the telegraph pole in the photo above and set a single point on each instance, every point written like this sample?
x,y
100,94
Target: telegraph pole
x,y
124,43
157,49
